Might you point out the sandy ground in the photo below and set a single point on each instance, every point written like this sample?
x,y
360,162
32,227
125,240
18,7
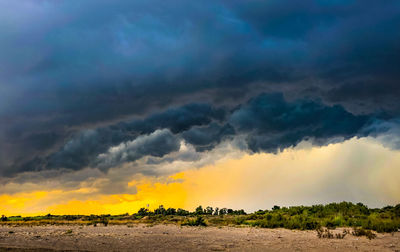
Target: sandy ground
x,y
175,238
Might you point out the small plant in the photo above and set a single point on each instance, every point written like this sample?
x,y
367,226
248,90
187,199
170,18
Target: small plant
x,y
324,233
199,221
104,221
4,218
364,232
341,235
69,231
239,220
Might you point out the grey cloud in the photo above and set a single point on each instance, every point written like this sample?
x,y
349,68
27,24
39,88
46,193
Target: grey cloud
x,y
386,131
73,67
206,138
266,123
157,144
271,123
83,147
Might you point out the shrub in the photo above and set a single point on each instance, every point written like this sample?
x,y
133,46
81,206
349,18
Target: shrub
x,y
342,235
199,221
199,210
363,232
324,233
182,212
239,220
105,222
143,211
310,224
276,208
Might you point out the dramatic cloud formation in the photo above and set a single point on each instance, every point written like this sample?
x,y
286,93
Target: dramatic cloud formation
x,y
355,170
99,89
266,123
157,144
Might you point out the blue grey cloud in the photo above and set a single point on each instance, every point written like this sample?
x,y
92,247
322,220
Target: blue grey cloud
x,y
272,124
99,73
267,123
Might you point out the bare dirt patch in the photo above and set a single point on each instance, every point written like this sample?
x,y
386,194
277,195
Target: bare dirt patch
x,y
175,238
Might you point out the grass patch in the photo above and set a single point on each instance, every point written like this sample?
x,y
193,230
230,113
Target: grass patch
x,y
199,221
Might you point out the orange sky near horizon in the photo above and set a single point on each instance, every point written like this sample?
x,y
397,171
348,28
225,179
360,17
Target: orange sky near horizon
x,y
357,170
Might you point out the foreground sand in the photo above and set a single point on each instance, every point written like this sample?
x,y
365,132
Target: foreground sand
x,y
175,238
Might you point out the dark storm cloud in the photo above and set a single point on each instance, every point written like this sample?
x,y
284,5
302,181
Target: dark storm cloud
x,y
177,119
70,69
267,122
156,144
206,138
272,124
84,147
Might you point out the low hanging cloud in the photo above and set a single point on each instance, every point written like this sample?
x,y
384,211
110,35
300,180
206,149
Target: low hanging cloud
x,y
207,138
85,146
270,123
157,144
267,123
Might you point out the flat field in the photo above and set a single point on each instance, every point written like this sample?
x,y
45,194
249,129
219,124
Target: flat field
x,y
142,237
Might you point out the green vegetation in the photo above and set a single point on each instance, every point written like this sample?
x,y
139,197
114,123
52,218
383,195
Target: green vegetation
x,y
330,216
328,234
199,221
363,232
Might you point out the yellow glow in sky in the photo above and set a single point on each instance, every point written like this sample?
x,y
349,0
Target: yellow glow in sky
x,y
358,170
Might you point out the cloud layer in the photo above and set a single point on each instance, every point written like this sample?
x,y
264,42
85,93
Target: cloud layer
x,y
266,123
98,84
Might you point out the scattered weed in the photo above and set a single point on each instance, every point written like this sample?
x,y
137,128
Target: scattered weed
x,y
364,232
199,221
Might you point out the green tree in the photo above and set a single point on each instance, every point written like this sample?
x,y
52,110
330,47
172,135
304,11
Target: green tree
x,y
171,211
160,210
276,208
199,210
182,212
143,211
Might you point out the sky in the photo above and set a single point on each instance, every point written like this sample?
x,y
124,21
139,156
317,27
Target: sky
x,y
110,106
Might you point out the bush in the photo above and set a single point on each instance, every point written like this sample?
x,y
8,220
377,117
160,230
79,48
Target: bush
x,y
199,221
326,233
143,211
105,222
199,210
182,212
239,220
363,232
311,225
